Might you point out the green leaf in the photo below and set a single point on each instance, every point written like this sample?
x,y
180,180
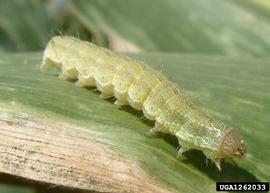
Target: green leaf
x,y
8,188
217,27
24,26
235,90
29,24
209,26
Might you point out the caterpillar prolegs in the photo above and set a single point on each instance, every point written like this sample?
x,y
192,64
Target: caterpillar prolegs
x,y
136,84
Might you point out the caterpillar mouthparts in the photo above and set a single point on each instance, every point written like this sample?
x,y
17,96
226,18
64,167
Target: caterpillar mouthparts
x,y
136,84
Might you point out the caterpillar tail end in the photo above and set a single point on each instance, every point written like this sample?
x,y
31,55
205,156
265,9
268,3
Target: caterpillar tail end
x,y
44,67
47,64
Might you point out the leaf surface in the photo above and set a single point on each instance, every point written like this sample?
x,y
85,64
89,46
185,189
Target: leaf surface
x,y
235,90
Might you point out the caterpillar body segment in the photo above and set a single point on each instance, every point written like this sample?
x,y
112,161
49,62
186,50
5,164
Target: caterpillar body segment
x,y
144,88
124,79
141,87
161,93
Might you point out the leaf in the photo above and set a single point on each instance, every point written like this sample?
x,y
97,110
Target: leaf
x,y
216,27
7,188
38,21
233,89
28,32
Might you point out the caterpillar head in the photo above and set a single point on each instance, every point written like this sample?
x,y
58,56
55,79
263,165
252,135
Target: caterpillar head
x,y
232,145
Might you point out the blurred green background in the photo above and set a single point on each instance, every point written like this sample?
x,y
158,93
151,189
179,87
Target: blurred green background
x,y
227,28
204,27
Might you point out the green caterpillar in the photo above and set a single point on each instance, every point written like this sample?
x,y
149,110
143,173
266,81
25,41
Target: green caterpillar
x,y
142,87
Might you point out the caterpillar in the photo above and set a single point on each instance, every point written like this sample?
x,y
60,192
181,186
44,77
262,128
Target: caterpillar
x,y
136,84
